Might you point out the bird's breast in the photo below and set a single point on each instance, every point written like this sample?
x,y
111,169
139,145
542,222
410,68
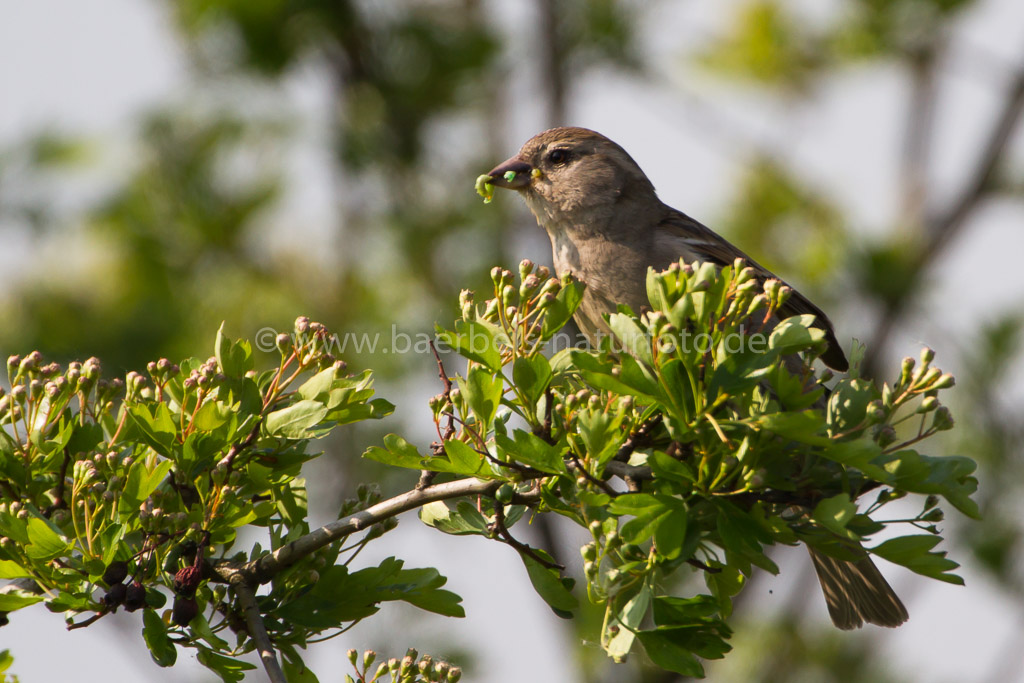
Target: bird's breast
x,y
614,273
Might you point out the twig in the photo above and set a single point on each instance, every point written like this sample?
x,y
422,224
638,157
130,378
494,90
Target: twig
x,y
61,476
521,548
578,467
636,439
700,565
427,476
257,630
88,622
545,434
237,448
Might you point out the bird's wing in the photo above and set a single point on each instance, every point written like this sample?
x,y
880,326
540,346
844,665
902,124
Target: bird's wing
x,y
689,238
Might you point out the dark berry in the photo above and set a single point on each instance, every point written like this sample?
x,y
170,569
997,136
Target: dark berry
x,y
135,596
115,573
116,595
184,610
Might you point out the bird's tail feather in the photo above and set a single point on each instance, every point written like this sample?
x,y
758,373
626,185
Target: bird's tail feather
x,y
856,592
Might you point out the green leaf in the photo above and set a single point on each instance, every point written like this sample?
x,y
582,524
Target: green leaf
x,y
230,669
211,415
706,639
201,627
671,532
398,452
914,553
804,426
296,671
9,569
482,391
340,597
648,512
636,341
139,485
530,449
667,654
13,600
550,586
465,519
318,385
154,631
295,421
633,379
155,424
532,375
736,373
835,513
664,466
628,621
848,404
426,592
948,476
724,584
795,333
376,409
474,340
44,542
742,533
234,358
464,459
85,437
601,432
676,611
561,309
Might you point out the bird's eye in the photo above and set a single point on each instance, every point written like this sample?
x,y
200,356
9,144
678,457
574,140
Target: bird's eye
x,y
557,157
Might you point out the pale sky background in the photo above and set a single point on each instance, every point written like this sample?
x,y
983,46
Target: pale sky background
x,y
92,67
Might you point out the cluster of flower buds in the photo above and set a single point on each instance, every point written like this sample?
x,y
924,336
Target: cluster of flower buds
x,y
917,379
311,343
36,385
207,376
511,304
160,371
410,669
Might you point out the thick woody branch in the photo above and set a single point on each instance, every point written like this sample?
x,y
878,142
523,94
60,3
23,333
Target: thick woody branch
x,y
266,567
257,631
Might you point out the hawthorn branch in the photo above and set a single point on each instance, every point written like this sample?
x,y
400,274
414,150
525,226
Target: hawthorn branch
x,y
266,567
257,630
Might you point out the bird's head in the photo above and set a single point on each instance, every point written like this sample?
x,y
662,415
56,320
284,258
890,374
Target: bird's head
x,y
572,173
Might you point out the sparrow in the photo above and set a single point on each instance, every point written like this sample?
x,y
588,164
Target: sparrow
x,y
607,227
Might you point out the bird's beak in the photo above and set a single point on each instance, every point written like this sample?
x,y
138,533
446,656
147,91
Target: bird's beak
x,y
513,174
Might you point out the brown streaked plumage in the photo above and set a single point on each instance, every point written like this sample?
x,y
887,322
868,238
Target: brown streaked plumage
x,y
607,226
